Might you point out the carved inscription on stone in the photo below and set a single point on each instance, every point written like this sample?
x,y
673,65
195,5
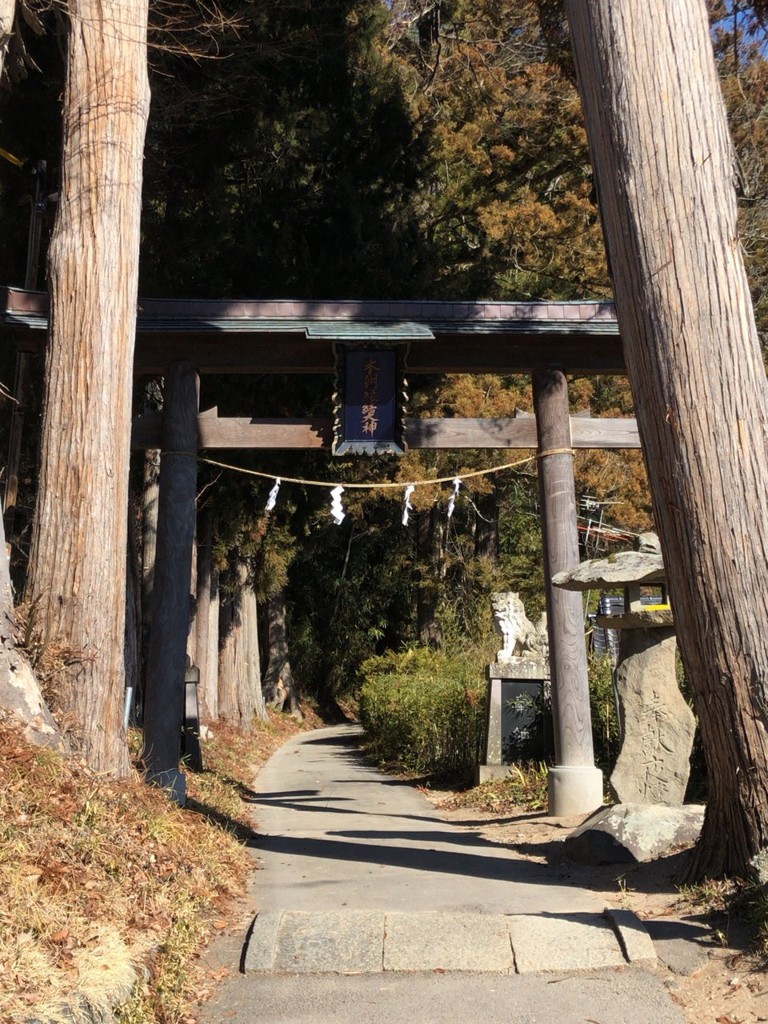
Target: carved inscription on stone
x,y
658,725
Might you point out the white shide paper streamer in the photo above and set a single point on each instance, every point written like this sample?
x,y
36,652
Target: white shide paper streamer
x,y
407,506
454,495
337,510
272,499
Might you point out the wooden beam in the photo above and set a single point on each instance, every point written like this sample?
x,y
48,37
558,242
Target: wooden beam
x,y
519,432
253,337
240,432
471,433
505,353
243,351
251,352
593,432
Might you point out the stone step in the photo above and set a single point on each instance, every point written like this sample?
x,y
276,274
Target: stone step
x,y
371,941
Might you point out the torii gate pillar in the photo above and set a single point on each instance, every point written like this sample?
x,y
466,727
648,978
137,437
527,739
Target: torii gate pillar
x,y
166,661
575,784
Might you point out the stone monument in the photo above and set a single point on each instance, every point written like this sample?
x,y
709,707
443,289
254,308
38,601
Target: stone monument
x,y
523,660
656,723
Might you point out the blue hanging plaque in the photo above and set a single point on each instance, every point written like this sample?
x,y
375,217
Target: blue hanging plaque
x,y
370,396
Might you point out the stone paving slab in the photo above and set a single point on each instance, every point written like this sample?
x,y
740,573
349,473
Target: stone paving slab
x,y
340,942
632,996
262,941
444,941
563,943
337,836
366,942
636,943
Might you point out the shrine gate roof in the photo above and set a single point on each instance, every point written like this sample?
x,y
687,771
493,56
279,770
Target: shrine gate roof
x,y
289,336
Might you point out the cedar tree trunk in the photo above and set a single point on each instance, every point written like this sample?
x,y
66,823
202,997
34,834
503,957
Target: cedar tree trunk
x,y
133,624
664,169
149,529
77,562
487,524
207,622
280,689
150,496
240,696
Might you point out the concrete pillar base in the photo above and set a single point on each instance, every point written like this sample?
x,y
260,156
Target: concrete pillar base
x,y
574,789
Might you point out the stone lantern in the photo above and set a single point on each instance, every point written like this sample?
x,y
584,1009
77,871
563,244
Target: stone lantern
x,y
657,725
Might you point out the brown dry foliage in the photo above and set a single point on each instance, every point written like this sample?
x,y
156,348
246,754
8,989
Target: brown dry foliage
x,y
97,874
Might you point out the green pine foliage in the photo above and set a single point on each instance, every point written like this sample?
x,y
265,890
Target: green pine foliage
x,y
511,211
289,167
424,713
351,592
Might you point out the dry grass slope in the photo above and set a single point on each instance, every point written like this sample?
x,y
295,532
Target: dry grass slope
x,y
109,888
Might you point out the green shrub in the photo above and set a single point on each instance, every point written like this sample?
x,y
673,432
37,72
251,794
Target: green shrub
x,y
424,712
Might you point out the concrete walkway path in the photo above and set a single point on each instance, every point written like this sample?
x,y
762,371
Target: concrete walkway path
x,y
371,905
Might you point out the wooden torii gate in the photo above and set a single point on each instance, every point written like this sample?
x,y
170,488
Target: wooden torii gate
x,y
180,339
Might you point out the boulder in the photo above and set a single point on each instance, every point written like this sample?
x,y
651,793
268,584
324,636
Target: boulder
x,y
634,833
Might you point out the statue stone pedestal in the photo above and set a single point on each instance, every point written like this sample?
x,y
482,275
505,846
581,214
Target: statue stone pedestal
x,y
528,670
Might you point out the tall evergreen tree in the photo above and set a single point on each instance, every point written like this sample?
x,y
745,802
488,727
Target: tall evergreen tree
x,y
77,565
663,160
289,167
510,210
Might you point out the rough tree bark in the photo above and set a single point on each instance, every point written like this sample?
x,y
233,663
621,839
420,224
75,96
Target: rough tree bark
x,y
664,170
149,529
487,524
133,623
77,563
151,492
207,622
280,689
240,697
